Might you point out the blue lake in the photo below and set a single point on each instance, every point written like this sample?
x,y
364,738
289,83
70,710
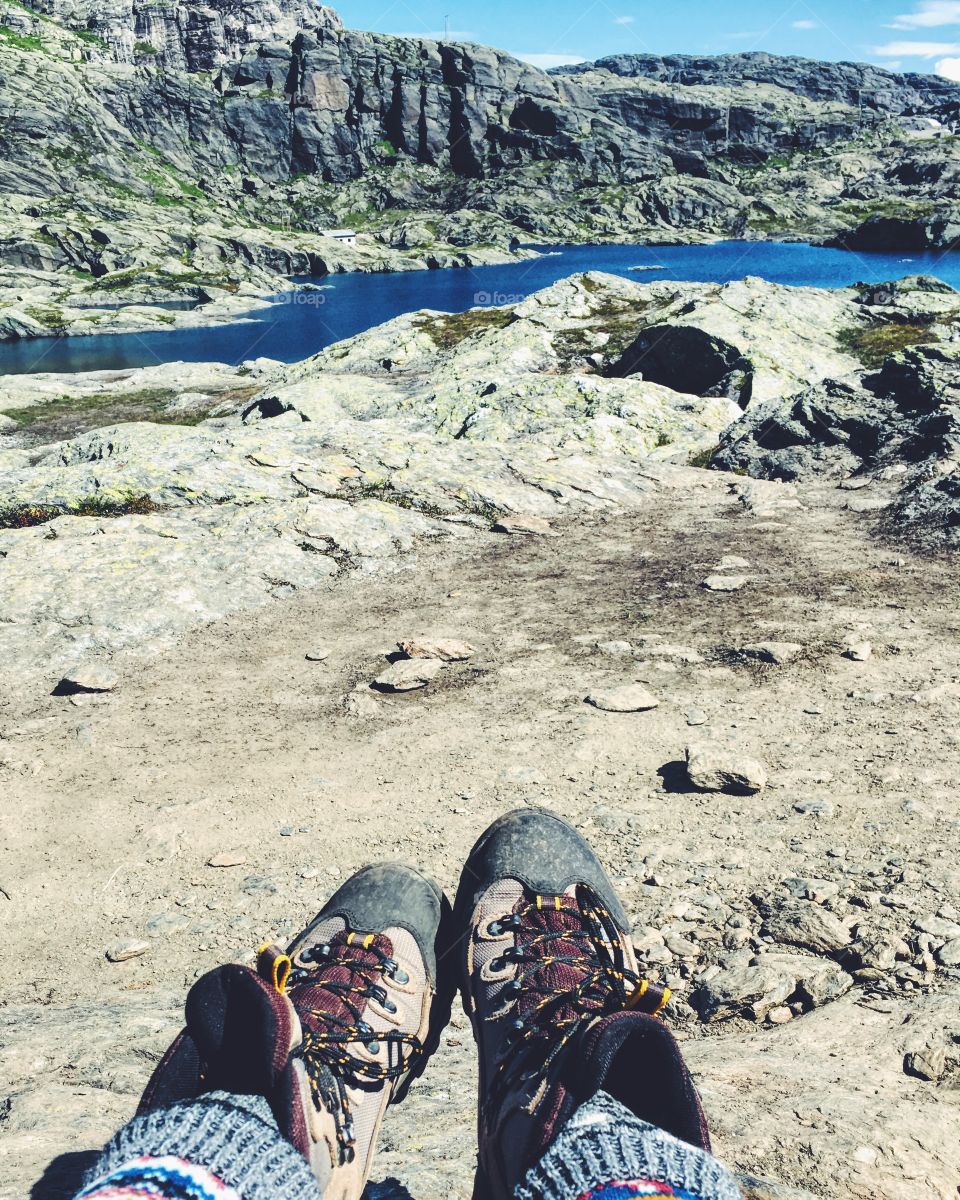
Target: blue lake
x,y
300,324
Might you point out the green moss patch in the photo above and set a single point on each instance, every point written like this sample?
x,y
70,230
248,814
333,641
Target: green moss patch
x,y
873,345
448,331
67,416
20,41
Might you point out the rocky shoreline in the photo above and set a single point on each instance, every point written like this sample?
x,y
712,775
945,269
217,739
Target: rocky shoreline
x,y
222,153
436,425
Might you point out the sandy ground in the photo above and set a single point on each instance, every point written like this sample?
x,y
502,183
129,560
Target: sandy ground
x,y
113,805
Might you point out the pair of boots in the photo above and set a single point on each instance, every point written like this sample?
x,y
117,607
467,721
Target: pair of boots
x,y
336,1028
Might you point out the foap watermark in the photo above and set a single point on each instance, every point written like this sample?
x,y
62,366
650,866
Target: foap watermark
x,y
497,299
308,298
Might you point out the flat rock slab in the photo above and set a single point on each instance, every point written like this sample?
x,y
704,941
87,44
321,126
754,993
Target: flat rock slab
x,y
725,583
525,525
443,649
88,677
777,653
806,925
227,859
408,675
124,951
317,654
632,697
719,770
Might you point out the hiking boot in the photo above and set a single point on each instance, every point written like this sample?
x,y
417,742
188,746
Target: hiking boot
x,y
559,1012
330,1031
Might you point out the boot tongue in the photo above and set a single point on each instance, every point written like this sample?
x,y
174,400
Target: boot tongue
x,y
635,1059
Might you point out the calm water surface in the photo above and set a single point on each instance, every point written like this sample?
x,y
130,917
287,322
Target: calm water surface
x,y
300,324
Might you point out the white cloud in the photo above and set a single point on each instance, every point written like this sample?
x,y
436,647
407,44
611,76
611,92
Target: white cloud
x,y
546,61
917,49
624,20
929,14
744,35
806,25
949,68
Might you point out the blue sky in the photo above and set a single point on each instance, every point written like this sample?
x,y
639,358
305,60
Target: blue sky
x,y
907,35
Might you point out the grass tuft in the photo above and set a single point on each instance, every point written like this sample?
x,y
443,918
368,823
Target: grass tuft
x,y
26,516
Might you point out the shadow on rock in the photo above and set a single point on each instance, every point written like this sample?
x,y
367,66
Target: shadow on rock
x,y
675,778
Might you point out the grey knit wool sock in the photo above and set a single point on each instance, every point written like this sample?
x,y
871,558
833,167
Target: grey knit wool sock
x,y
234,1137
603,1141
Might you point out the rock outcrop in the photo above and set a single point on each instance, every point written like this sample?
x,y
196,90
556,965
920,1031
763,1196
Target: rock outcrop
x,y
226,138
889,436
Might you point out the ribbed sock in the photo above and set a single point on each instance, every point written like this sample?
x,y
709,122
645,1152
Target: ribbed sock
x,y
604,1152
234,1141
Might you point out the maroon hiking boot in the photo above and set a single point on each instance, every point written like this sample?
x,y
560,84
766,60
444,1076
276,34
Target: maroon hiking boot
x,y
331,1031
559,1012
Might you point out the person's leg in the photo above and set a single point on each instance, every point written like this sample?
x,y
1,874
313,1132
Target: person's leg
x,y
278,1084
583,1090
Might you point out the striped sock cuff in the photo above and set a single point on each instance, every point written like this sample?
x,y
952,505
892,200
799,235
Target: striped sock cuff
x,y
230,1139
167,1178
604,1152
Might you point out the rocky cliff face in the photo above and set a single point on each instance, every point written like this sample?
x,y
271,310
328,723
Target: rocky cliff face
x,y
233,133
185,36
858,85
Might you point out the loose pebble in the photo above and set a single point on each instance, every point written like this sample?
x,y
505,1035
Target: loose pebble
x,y
725,583
408,675
444,649
123,951
89,677
227,859
632,697
714,769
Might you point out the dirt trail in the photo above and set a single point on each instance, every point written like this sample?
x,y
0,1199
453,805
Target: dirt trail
x,y
234,742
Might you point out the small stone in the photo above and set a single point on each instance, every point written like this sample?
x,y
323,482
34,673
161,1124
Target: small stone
x,y
731,562
360,703
949,955
287,831
927,1062
615,649
940,927
444,649
806,925
632,697
408,675
525,525
725,583
696,716
780,1015
772,652
318,654
259,885
227,858
123,951
717,770
814,808
89,677
160,924
858,651
680,946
